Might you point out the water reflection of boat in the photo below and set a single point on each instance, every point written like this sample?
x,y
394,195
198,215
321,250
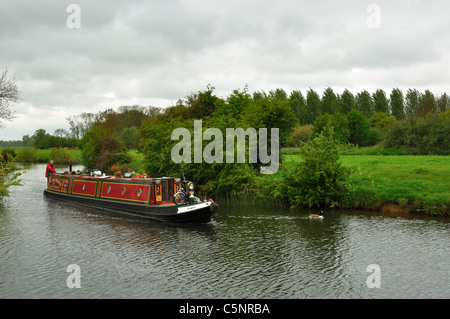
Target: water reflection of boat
x,y
162,199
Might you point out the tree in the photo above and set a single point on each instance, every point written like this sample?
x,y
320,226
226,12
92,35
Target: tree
x,y
257,95
234,105
329,101
60,132
443,103
9,93
80,124
132,115
129,137
176,111
157,145
359,128
312,106
278,94
137,108
338,121
27,140
380,102
101,149
270,112
319,180
424,135
103,145
298,105
411,102
427,104
38,138
202,104
381,120
153,111
364,103
397,104
346,102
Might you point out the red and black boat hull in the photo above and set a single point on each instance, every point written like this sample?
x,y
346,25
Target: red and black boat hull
x,y
126,197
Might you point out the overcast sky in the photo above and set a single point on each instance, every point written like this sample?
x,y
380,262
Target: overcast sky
x,y
156,52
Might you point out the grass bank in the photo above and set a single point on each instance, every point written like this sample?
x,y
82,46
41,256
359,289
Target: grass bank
x,y
409,182
44,155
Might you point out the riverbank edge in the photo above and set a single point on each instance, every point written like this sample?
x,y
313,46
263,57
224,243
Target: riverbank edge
x,y
388,206
416,208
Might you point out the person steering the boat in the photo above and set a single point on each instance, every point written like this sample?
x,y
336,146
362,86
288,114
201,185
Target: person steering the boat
x,y
49,169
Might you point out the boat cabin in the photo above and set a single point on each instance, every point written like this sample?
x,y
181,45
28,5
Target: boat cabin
x,y
147,191
163,190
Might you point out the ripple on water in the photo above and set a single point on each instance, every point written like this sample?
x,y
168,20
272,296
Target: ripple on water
x,y
245,252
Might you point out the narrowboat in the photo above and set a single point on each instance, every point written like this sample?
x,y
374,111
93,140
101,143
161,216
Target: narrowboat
x,y
165,199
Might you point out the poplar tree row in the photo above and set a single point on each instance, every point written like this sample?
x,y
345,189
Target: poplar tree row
x,y
402,105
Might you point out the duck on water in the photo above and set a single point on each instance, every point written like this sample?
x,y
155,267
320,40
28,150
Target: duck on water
x,y
316,216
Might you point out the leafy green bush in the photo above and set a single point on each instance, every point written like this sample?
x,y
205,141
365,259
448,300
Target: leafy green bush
x,y
121,159
422,136
60,156
9,176
359,128
319,180
300,134
10,151
28,154
339,123
9,157
100,148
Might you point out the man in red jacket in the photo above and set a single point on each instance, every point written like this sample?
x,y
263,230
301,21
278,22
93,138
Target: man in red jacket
x,y
50,169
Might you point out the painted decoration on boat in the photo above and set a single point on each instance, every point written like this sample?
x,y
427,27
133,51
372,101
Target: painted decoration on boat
x,y
126,191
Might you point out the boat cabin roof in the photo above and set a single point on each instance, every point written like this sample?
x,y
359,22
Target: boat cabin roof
x,y
126,178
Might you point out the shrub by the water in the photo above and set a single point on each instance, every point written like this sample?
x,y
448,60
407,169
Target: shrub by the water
x,y
28,154
319,180
60,156
9,176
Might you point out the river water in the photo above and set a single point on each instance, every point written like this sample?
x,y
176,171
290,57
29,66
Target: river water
x,y
246,251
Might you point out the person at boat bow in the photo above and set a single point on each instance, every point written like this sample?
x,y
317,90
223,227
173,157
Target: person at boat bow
x,y
50,169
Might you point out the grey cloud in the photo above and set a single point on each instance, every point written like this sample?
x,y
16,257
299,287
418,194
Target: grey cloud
x,y
146,51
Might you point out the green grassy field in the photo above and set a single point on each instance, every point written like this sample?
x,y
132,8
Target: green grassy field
x,y
43,155
403,179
